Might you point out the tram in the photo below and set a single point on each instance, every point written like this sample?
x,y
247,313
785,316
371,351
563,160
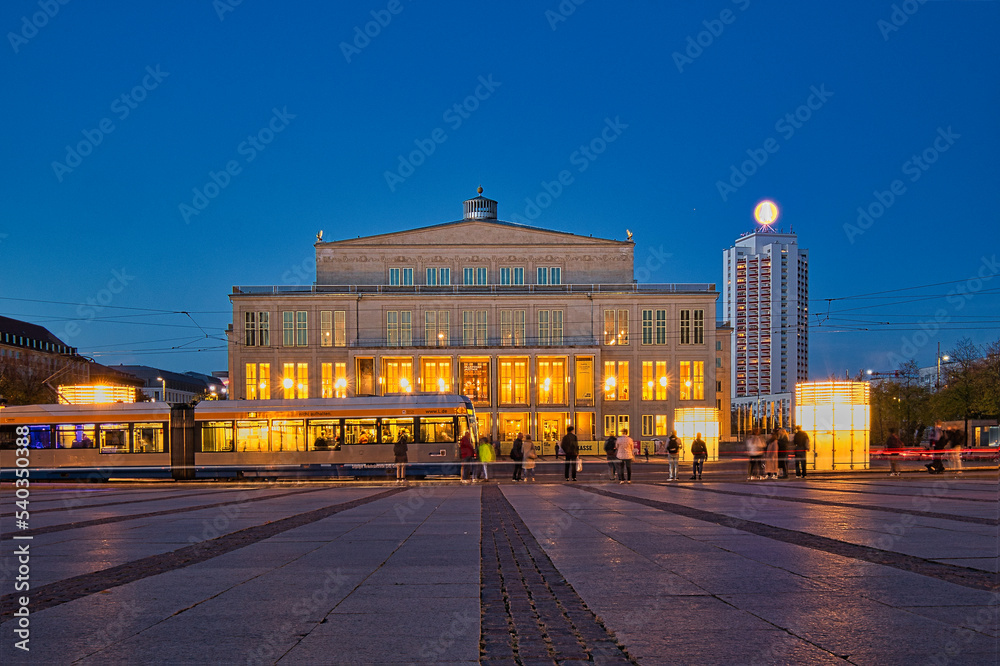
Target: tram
x,y
341,437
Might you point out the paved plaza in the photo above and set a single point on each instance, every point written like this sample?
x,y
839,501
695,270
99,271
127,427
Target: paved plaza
x,y
858,569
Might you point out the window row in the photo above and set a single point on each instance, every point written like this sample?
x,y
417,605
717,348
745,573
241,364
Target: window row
x,y
437,276
474,328
515,385
108,437
326,434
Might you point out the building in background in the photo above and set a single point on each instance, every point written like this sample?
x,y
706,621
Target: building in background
x,y
163,385
541,329
766,298
38,367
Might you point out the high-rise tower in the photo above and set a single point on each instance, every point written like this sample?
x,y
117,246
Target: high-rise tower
x,y
766,298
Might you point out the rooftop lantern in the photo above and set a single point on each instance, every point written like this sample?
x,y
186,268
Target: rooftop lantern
x,y
480,208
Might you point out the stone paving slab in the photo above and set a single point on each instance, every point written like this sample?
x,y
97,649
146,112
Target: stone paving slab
x,y
577,575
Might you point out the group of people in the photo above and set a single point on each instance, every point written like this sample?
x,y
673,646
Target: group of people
x,y
945,445
477,459
621,452
768,457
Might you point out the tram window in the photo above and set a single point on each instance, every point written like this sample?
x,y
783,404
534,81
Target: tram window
x,y
114,438
393,429
360,431
437,430
251,435
39,437
324,435
288,435
75,436
217,436
148,437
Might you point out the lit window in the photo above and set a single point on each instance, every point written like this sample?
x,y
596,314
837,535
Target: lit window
x,y
513,380
326,329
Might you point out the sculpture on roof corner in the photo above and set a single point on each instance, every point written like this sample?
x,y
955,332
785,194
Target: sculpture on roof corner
x,y
319,236
628,234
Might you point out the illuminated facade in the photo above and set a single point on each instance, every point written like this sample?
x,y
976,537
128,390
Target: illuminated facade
x,y
766,298
836,416
542,329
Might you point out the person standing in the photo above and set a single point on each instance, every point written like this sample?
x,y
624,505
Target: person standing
x,y
399,453
755,455
468,454
571,450
673,455
800,444
955,451
529,459
783,447
893,445
625,452
517,455
771,457
700,453
611,450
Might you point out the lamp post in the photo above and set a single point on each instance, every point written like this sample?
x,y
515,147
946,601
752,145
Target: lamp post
x,y
937,379
164,394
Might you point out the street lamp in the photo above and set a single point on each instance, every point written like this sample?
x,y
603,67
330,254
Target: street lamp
x,y
163,395
937,379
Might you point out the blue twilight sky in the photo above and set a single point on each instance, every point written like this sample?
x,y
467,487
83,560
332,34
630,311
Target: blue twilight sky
x,y
688,91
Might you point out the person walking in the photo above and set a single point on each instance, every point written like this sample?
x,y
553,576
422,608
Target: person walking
x,y
771,457
800,444
783,447
517,455
673,455
611,450
955,451
529,459
625,452
485,456
468,453
893,444
755,455
570,449
399,449
700,453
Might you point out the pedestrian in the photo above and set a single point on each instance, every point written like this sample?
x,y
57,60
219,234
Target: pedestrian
x,y
755,455
611,450
645,449
700,453
800,444
783,447
570,449
954,454
674,447
893,444
936,465
529,459
625,452
399,449
468,453
771,457
485,456
517,455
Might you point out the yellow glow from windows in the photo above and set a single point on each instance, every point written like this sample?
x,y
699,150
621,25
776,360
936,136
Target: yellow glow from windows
x,y
95,394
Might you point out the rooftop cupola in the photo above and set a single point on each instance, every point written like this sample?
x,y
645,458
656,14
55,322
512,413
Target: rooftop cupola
x,y
480,208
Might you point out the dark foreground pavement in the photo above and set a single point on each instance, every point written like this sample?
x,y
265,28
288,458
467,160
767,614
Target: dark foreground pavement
x,y
858,569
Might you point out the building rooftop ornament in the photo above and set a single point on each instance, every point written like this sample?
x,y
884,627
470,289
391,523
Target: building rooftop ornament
x,y
479,207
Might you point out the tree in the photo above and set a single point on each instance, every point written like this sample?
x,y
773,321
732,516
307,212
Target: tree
x,y
991,375
964,394
22,384
900,402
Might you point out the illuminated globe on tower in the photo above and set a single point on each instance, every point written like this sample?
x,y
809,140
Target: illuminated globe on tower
x,y
766,300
